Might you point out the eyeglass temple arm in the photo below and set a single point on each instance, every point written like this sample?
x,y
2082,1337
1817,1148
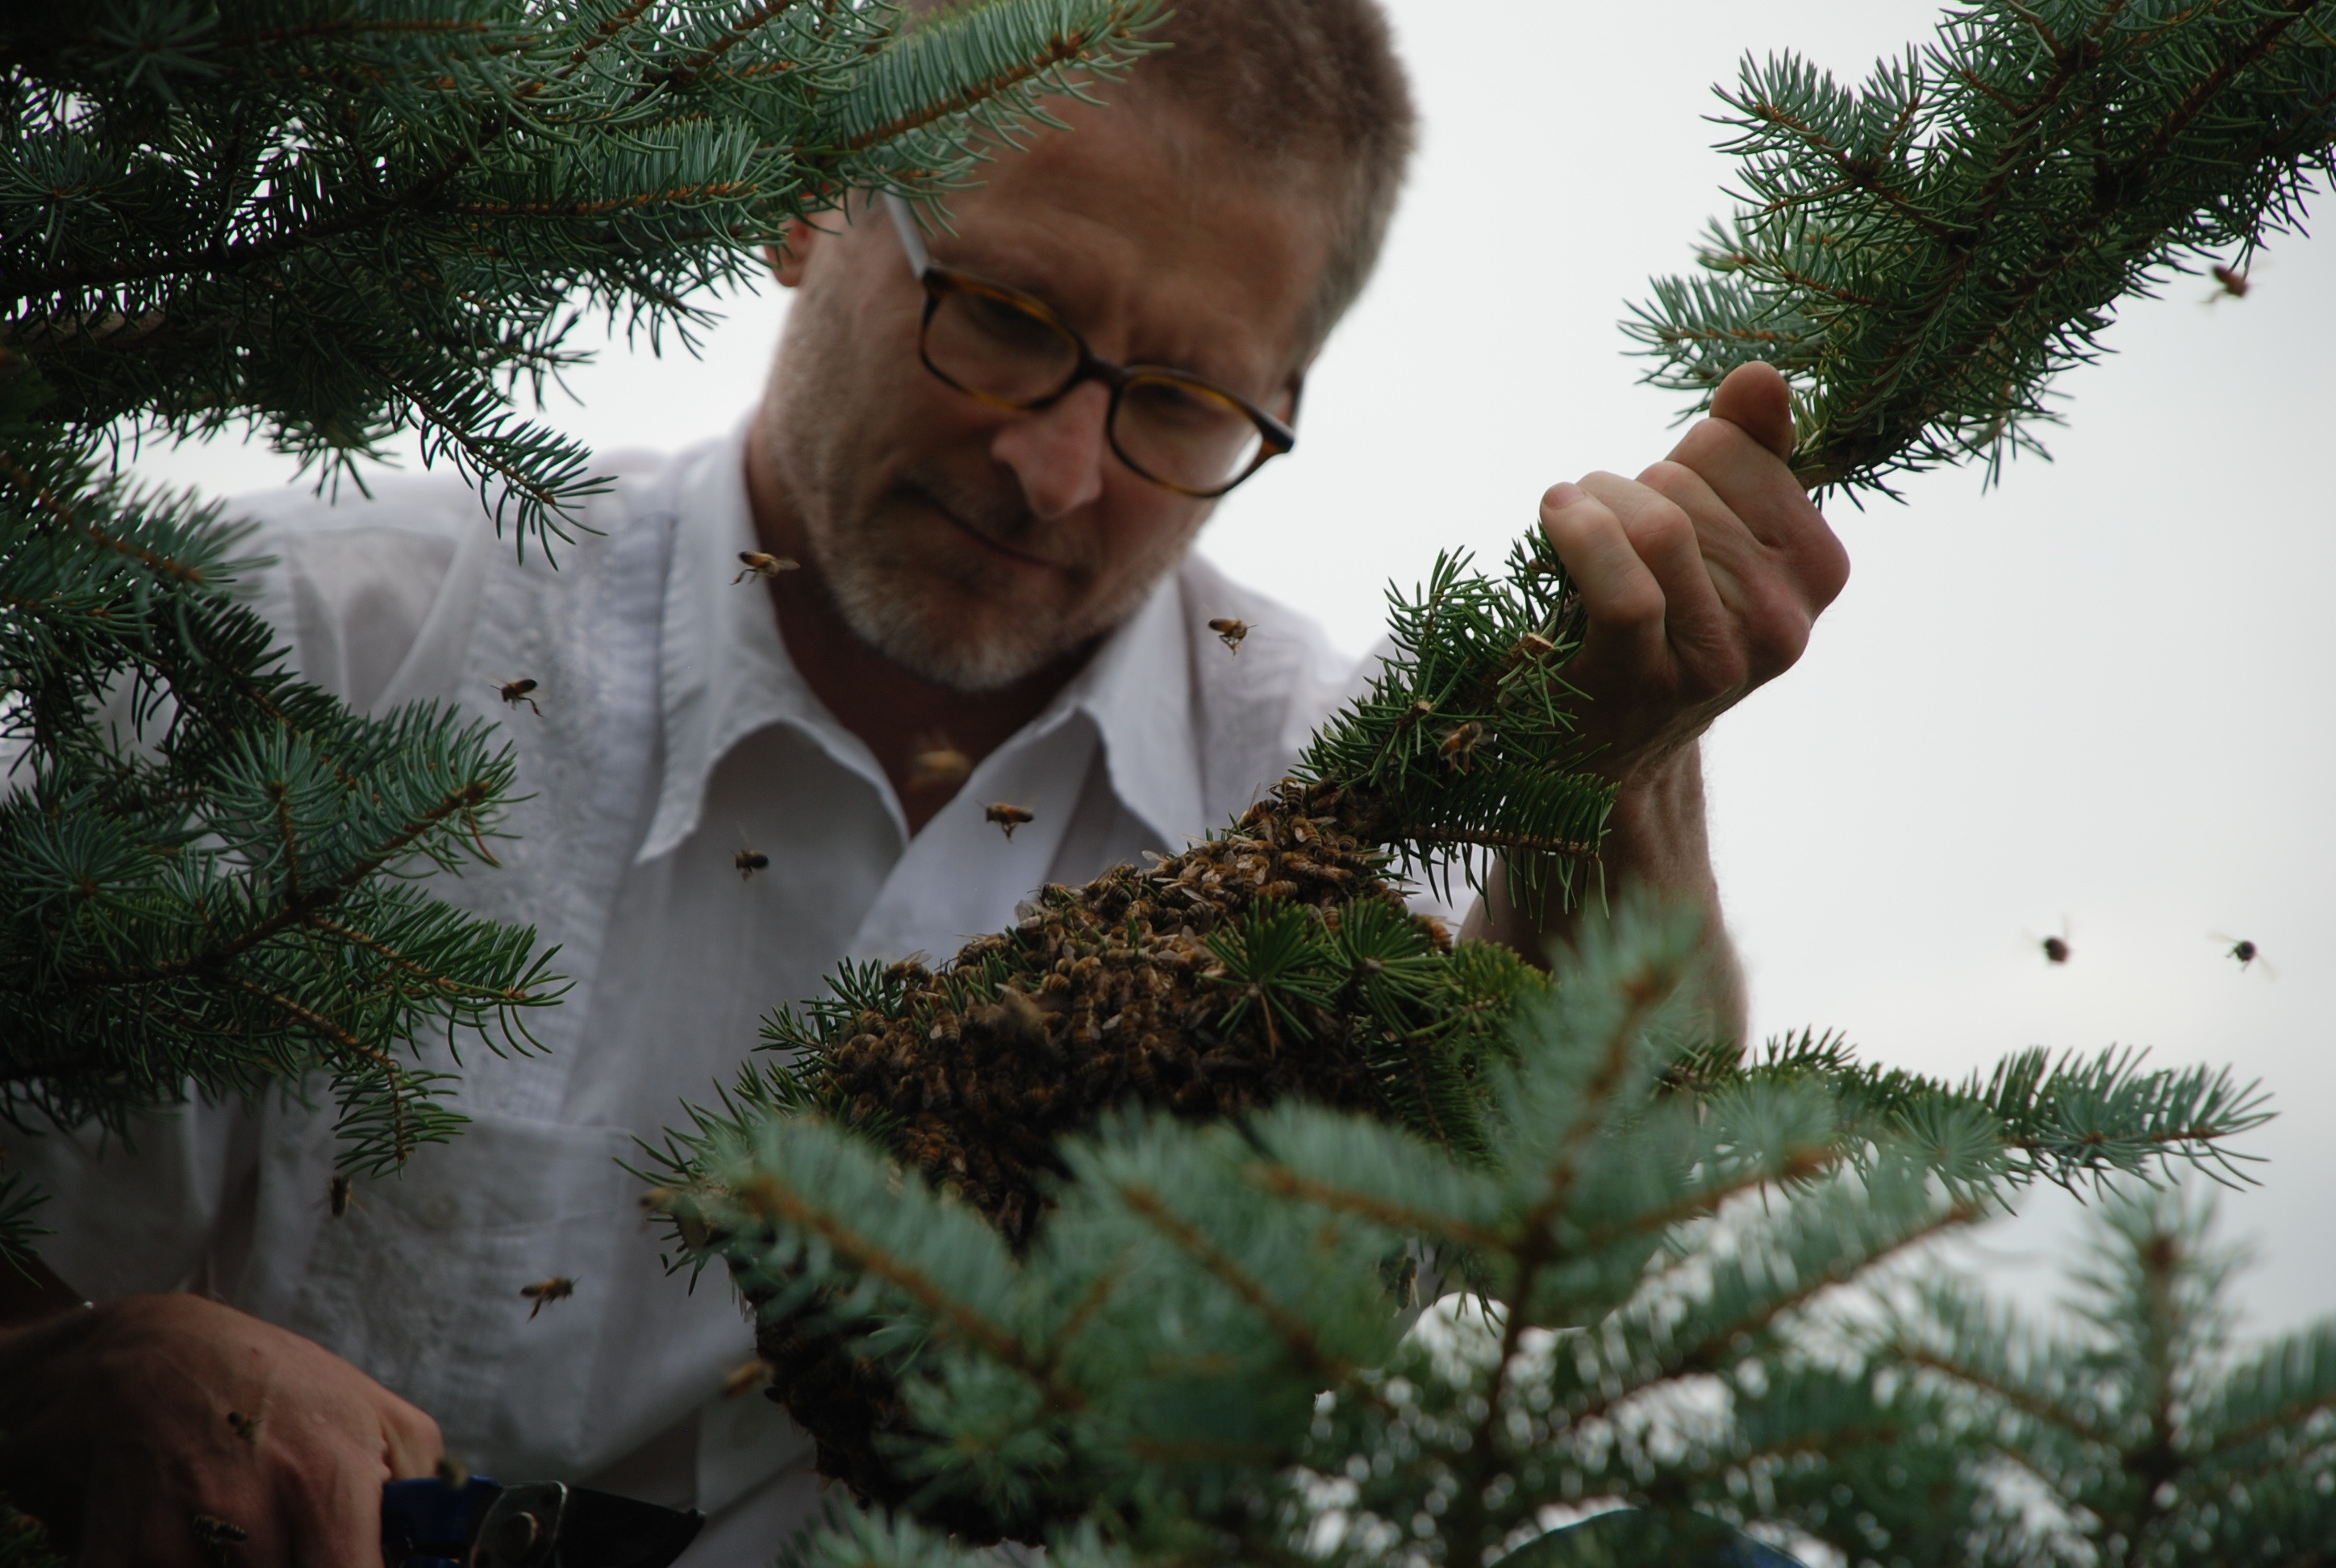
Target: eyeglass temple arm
x,y
904,224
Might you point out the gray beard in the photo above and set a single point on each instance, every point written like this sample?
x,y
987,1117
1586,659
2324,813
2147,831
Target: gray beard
x,y
868,598
877,600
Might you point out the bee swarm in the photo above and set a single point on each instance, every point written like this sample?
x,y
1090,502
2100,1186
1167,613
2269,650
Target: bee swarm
x,y
1104,994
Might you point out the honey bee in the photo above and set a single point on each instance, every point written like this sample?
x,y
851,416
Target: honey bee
x,y
747,1377
515,692
2055,950
245,1426
2229,280
2245,952
749,859
558,1288
451,1471
938,765
1016,1015
341,1196
757,564
1460,743
1230,632
1007,816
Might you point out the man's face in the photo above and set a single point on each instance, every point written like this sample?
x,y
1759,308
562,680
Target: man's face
x,y
973,545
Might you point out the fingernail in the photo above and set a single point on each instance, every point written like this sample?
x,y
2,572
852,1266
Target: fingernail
x,y
1560,496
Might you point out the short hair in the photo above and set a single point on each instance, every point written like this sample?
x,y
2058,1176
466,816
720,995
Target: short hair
x,y
1296,86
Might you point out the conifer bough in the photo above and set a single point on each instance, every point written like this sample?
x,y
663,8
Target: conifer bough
x,y
333,221
1923,256
1920,256
1199,1358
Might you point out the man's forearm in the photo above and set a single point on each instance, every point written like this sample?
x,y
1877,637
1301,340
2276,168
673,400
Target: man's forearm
x,y
1656,839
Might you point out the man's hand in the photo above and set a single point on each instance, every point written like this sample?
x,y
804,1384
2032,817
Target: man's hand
x,y
116,1430
1701,578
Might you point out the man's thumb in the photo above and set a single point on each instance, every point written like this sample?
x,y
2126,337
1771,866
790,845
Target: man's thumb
x,y
1755,399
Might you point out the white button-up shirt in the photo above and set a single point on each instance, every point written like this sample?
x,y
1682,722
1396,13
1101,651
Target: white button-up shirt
x,y
675,732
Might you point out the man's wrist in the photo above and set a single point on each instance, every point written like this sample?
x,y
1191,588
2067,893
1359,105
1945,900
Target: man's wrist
x,y
1656,830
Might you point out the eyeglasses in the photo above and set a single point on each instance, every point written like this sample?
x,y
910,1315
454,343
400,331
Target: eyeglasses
x,y
1175,429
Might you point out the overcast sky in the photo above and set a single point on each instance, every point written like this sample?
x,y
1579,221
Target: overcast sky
x,y
2094,700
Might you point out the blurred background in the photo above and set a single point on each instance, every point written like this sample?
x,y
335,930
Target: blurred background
x,y
2093,702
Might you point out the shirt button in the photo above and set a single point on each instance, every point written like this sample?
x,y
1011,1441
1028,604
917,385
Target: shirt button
x,y
441,1211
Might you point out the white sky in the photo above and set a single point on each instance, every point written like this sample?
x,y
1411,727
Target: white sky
x,y
2098,695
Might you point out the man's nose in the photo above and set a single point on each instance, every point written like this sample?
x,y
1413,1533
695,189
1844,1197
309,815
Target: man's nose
x,y
1057,452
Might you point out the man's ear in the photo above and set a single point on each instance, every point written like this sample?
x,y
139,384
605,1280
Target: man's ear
x,y
787,259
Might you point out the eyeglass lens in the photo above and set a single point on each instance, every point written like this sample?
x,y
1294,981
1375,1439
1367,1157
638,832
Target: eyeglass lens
x,y
1173,429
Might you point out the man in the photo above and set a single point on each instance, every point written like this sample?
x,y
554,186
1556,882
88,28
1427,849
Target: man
x,y
994,602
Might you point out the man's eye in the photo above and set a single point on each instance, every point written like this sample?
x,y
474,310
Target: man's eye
x,y
1170,404
1007,325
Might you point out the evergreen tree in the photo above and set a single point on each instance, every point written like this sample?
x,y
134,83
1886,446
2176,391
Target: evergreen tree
x,y
2136,1434
331,221
1921,256
1200,1355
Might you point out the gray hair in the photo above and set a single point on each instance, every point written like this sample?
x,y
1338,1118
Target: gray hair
x,y
1305,91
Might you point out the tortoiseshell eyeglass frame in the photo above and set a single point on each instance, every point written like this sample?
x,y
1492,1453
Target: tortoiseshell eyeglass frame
x,y
1275,436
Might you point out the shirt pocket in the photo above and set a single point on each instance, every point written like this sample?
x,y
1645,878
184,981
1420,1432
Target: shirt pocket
x,y
421,1283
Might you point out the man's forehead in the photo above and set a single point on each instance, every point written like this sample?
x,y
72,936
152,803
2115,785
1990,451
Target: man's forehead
x,y
1138,221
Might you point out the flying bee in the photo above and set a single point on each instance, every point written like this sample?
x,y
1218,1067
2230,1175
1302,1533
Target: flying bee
x,y
340,1193
757,564
1006,815
745,1376
515,692
2228,280
451,1471
245,1426
1460,744
1230,632
938,765
2244,952
2055,950
749,859
558,1288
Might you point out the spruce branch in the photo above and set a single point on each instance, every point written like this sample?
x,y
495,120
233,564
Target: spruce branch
x,y
1214,1299
330,221
1920,256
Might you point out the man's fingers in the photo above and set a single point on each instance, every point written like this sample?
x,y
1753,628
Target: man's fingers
x,y
1621,594
1755,399
1759,494
336,1518
411,1443
1667,543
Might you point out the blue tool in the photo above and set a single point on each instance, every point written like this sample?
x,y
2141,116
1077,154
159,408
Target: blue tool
x,y
482,1524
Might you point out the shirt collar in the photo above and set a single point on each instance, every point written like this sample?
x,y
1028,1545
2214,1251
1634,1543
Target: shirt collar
x,y
723,672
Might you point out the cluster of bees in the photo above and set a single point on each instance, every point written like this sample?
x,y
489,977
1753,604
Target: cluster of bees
x,y
1100,994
